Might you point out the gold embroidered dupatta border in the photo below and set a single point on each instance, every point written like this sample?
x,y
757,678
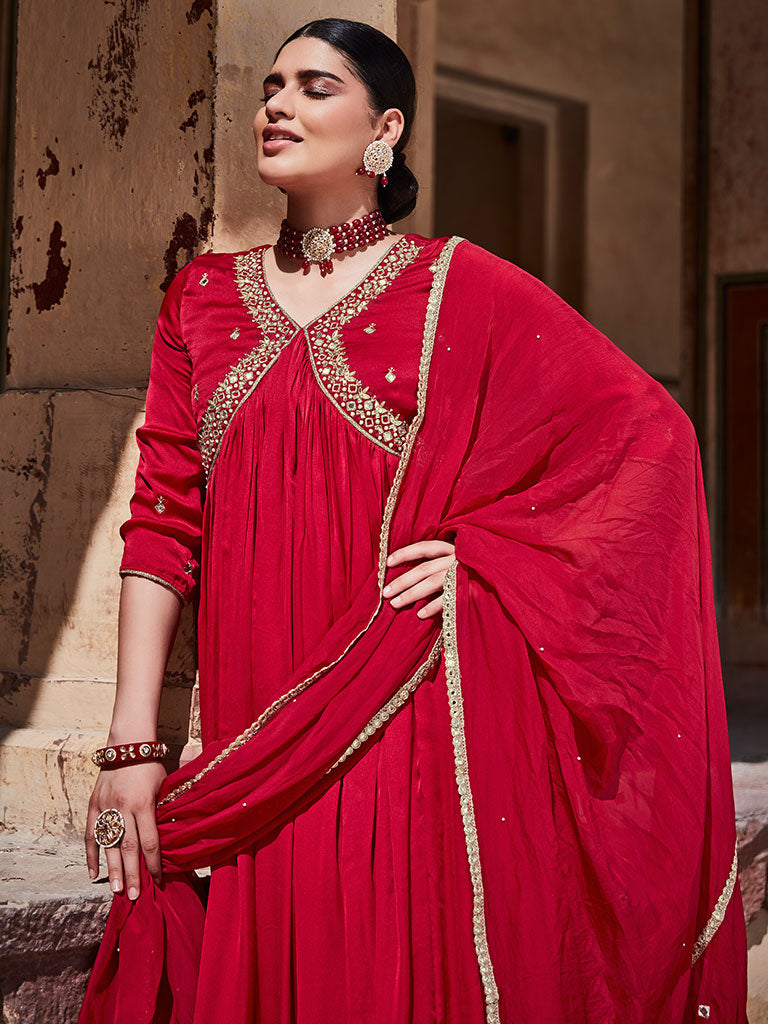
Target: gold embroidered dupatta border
x,y
718,914
456,708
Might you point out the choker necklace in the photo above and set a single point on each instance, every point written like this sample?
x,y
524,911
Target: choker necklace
x,y
319,244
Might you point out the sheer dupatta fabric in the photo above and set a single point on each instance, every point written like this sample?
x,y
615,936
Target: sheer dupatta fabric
x,y
590,779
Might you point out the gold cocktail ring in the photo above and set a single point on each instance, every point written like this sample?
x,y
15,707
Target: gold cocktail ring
x,y
109,827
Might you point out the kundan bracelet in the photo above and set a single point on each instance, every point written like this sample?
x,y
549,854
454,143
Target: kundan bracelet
x,y
129,753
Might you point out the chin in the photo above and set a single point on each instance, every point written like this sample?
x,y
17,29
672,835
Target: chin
x,y
270,175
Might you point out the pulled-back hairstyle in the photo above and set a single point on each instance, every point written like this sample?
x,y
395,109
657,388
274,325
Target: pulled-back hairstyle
x,y
386,73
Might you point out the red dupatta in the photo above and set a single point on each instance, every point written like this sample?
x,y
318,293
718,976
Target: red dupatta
x,y
579,658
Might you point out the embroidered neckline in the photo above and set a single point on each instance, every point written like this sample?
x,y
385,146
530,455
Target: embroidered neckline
x,y
315,321
336,378
338,381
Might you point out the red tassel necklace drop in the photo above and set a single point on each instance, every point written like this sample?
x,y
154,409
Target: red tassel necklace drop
x,y
319,244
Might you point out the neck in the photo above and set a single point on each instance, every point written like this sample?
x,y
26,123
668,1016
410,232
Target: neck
x,y
305,212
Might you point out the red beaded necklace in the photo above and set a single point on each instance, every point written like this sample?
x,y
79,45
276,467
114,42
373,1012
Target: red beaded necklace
x,y
319,244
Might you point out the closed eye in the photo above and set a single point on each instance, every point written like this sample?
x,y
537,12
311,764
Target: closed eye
x,y
308,92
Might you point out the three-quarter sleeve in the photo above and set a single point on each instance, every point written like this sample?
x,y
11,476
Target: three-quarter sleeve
x,y
162,535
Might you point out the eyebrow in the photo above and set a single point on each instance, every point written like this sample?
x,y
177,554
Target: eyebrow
x,y
277,79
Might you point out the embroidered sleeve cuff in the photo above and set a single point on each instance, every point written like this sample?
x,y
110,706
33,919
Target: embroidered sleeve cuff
x,y
185,597
160,558
184,589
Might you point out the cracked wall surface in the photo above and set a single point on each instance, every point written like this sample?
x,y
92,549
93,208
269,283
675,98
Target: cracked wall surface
x,y
113,182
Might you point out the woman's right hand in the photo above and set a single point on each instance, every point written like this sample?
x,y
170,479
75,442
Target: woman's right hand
x,y
132,789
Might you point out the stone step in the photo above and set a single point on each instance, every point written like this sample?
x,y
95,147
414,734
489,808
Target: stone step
x,y
52,918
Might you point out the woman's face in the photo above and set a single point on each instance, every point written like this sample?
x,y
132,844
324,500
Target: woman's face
x,y
313,98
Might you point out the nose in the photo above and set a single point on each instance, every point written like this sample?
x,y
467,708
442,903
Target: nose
x,y
279,105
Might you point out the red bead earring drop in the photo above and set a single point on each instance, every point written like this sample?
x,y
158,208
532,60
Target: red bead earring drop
x,y
377,159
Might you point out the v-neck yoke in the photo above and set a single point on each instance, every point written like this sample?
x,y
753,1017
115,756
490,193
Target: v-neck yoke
x,y
344,299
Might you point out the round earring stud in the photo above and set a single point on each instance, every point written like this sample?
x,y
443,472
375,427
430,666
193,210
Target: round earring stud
x,y
377,159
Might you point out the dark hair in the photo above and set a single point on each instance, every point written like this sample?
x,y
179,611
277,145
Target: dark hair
x,y
386,73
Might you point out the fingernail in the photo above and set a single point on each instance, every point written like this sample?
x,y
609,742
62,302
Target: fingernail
x,y
92,872
387,590
116,885
133,892
389,558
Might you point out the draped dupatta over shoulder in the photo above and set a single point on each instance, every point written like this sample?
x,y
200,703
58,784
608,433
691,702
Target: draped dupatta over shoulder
x,y
589,789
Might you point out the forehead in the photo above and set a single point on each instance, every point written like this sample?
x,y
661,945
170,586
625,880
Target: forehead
x,y
306,52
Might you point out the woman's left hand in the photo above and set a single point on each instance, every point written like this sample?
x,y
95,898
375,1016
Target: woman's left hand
x,y
424,579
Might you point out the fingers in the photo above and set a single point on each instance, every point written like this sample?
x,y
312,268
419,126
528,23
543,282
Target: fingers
x,y
129,848
423,588
141,837
146,821
421,549
423,571
432,608
115,867
133,790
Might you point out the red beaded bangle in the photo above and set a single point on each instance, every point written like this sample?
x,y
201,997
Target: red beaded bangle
x,y
129,753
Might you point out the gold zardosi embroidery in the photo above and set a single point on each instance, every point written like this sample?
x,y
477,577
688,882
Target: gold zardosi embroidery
x,y
245,374
332,371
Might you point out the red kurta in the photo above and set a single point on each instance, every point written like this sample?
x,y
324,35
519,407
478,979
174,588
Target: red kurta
x,y
318,920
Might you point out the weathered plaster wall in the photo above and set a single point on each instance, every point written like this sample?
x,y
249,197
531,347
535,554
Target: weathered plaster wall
x,y
624,61
417,36
113,182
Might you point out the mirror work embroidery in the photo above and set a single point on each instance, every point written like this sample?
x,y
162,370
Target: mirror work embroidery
x,y
329,360
337,380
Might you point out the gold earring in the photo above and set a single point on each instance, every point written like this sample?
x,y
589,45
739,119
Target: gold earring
x,y
377,159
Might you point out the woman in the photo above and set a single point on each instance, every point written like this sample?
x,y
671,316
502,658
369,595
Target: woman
x,y
465,754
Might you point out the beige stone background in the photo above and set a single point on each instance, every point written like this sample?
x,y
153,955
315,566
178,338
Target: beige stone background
x,y
130,148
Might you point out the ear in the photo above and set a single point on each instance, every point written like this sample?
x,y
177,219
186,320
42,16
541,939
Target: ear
x,y
391,125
